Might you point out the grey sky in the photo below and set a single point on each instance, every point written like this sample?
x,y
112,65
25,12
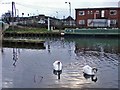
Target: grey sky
x,y
51,7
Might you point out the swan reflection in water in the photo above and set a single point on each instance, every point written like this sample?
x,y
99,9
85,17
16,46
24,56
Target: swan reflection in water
x,y
92,77
57,73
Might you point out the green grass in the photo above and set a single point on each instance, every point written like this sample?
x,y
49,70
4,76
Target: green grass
x,y
28,30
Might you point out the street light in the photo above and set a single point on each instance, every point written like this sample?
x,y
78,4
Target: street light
x,y
17,12
69,11
57,14
69,7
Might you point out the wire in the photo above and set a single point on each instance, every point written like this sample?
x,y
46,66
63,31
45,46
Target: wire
x,y
44,10
36,7
6,3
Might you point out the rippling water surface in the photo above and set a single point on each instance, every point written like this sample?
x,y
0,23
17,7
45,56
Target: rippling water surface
x,y
32,68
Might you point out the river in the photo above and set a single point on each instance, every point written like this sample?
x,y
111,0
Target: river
x,y
33,68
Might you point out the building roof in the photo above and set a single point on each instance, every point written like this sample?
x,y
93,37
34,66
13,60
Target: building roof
x,y
68,18
97,8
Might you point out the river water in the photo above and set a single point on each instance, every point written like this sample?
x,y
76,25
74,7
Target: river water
x,y
32,68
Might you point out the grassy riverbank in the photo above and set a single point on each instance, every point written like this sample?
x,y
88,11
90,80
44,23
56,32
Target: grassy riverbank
x,y
27,30
30,32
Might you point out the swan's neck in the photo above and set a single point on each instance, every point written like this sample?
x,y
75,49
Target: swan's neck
x,y
58,66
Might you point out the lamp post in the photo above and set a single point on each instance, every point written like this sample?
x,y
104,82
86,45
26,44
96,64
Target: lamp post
x,y
69,11
17,12
69,7
57,14
13,7
22,17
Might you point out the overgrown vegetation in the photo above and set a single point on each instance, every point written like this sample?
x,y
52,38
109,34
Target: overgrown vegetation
x,y
26,30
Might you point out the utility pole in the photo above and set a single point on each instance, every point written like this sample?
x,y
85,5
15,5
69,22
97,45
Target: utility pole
x,y
22,18
57,14
69,7
69,10
17,12
13,15
48,24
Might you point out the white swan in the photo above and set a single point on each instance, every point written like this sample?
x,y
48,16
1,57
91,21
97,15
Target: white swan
x,y
57,68
89,70
57,65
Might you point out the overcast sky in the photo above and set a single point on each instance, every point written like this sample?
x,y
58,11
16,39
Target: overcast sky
x,y
56,8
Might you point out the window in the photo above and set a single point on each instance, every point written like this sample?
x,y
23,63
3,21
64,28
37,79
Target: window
x,y
81,12
81,22
97,12
88,12
91,12
102,13
113,21
113,12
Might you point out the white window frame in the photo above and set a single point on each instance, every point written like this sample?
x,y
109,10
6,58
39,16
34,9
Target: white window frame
x,y
81,22
81,13
88,12
91,12
115,12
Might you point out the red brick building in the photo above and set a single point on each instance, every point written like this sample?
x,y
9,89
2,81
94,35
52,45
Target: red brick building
x,y
98,17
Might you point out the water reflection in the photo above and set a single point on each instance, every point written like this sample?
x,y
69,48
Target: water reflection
x,y
38,78
15,56
23,45
74,53
92,77
101,53
100,45
57,72
48,46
